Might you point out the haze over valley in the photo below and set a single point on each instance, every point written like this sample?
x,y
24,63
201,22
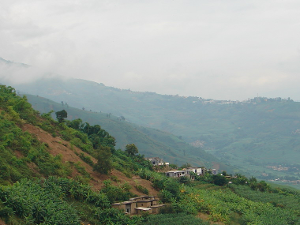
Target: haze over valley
x,y
258,137
230,50
149,112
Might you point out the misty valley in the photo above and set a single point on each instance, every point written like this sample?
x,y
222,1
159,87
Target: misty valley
x,y
149,112
81,165
258,137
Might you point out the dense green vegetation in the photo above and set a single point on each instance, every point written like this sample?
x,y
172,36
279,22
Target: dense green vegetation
x,y
37,188
14,111
223,204
37,198
277,197
176,219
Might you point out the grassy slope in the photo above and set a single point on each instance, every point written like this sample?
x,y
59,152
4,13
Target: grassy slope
x,y
30,155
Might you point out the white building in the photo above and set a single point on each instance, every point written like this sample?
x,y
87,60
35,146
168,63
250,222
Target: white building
x,y
176,173
197,170
185,172
156,161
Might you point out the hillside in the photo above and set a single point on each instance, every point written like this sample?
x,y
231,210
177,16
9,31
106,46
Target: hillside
x,y
150,142
69,172
30,154
259,136
68,153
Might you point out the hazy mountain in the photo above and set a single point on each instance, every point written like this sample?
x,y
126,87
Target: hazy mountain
x,y
51,173
260,135
150,142
7,62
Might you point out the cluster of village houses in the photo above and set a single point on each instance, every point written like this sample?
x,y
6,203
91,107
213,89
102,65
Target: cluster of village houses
x,y
156,161
138,205
151,204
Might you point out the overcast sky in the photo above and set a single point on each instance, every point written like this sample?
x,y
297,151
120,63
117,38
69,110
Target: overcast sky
x,y
220,49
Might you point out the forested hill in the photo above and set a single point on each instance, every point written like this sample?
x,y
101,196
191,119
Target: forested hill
x,y
69,172
260,135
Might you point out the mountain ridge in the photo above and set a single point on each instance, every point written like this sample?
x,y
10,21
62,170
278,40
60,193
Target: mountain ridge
x,y
52,170
253,135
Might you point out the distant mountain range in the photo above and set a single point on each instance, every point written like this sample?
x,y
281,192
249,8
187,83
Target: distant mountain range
x,y
259,136
69,172
7,62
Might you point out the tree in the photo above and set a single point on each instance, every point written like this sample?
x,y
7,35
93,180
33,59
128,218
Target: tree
x,y
104,163
240,179
185,179
219,180
61,115
262,186
131,149
75,124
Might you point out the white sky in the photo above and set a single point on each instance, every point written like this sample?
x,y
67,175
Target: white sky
x,y
220,49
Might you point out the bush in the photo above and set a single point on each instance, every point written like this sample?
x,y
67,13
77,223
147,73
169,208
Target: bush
x,y
115,193
36,205
165,196
142,189
115,216
86,159
219,180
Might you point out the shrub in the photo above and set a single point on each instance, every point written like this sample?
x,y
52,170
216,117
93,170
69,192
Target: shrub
x,y
36,205
115,193
115,216
142,189
114,178
86,159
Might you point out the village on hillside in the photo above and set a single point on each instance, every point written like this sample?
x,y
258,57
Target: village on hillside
x,y
190,171
150,204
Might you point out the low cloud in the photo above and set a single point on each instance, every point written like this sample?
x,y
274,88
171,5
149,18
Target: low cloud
x,y
212,49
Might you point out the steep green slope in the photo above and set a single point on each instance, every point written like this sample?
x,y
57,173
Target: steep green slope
x,y
40,186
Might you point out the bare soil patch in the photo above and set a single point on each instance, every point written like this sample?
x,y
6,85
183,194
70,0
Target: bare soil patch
x,y
57,146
